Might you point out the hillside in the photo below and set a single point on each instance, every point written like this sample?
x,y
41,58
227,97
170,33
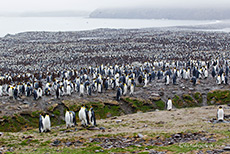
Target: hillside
x,y
160,13
180,130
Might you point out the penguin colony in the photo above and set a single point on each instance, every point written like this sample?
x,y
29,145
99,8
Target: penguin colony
x,y
172,57
122,79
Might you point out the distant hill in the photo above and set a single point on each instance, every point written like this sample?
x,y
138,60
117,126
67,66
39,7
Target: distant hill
x,y
47,14
150,13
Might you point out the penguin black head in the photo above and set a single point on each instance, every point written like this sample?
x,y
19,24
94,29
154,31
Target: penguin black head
x,y
220,107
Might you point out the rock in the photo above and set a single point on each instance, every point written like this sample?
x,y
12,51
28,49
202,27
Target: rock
x,y
140,135
191,89
114,118
161,93
102,128
11,149
211,140
154,98
118,121
155,95
108,115
93,128
68,144
111,102
226,148
56,143
97,151
28,137
26,102
160,122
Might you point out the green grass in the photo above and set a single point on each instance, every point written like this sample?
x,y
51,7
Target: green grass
x,y
45,143
139,105
56,112
198,97
160,105
218,97
189,101
177,102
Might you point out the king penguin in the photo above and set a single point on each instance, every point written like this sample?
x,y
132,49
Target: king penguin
x,y
131,89
70,119
218,80
44,123
68,90
47,124
41,121
83,116
220,114
82,89
125,89
167,80
118,96
169,104
92,117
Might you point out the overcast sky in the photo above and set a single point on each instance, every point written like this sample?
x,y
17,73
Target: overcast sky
x,y
90,5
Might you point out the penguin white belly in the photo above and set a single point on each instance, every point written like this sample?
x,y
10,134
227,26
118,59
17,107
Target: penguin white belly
x,y
99,88
131,90
218,80
81,90
10,92
82,116
1,90
68,90
67,119
220,114
146,82
47,124
125,90
90,117
169,105
167,80
206,74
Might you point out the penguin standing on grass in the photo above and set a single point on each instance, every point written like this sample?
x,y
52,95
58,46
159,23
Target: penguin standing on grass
x,y
41,121
83,116
44,123
70,119
47,124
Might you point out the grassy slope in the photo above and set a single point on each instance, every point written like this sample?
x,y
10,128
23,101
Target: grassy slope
x,y
151,124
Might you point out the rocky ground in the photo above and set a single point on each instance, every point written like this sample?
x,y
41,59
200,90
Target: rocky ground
x,y
188,130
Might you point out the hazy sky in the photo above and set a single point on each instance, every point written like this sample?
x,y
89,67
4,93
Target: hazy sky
x,y
90,5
